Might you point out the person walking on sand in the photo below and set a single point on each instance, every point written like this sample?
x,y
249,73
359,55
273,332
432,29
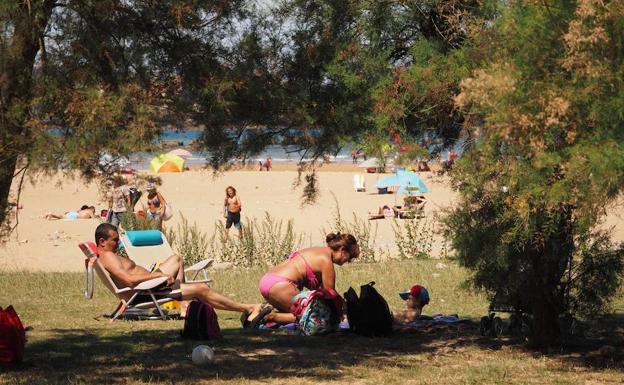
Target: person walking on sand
x,y
119,200
267,164
231,212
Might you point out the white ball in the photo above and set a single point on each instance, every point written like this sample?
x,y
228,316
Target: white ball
x,y
202,354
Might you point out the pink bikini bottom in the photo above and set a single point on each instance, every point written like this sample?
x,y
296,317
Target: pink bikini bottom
x,y
269,280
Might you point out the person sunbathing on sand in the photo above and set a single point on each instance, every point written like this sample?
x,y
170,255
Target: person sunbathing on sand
x,y
312,267
85,212
125,272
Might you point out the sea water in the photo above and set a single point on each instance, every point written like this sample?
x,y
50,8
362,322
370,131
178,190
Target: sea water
x,y
277,153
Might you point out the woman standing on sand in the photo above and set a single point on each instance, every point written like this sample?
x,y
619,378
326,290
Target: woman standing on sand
x,y
231,211
155,204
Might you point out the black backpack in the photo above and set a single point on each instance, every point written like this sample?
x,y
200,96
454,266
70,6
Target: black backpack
x,y
369,315
201,322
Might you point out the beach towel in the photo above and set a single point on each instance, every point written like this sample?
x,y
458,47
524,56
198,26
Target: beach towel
x,y
435,323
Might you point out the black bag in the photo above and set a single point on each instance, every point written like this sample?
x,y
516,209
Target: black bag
x,y
201,322
135,195
368,315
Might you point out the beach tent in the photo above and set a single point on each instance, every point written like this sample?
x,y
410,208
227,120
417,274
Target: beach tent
x,y
167,163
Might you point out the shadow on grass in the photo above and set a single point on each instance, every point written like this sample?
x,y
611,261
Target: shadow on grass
x,y
602,346
100,357
103,356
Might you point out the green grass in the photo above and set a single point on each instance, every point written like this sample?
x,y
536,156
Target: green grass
x,y
73,343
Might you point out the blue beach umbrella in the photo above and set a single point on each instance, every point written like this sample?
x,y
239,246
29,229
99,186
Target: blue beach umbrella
x,y
406,182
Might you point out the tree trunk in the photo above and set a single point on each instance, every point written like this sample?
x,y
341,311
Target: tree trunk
x,y
29,20
545,328
7,168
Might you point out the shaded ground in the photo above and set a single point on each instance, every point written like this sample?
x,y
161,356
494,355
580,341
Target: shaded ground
x,y
97,356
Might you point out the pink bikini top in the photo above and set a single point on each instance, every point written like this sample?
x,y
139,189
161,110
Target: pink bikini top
x,y
310,282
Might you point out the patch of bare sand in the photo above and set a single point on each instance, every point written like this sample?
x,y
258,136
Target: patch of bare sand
x,y
45,245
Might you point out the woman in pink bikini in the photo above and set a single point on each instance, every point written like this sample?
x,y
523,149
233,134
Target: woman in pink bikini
x,y
312,268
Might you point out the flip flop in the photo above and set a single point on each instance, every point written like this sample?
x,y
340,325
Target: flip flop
x,y
243,319
253,324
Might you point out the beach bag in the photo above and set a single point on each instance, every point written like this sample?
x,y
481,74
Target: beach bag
x,y
201,322
369,315
135,195
12,337
167,212
318,315
109,216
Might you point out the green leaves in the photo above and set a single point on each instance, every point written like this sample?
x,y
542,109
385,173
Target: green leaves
x,y
539,111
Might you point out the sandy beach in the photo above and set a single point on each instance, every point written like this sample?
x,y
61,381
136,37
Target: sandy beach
x,y
198,195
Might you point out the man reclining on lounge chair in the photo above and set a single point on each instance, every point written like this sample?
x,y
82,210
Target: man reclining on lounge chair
x,y
125,272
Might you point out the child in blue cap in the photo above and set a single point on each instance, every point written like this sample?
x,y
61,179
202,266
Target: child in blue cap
x,y
415,299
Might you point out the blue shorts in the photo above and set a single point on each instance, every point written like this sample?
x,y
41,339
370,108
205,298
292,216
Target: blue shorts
x,y
71,215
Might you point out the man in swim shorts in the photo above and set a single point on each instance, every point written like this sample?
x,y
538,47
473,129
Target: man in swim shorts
x,y
231,212
125,272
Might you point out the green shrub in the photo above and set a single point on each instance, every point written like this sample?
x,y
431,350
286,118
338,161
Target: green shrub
x,y
413,237
132,221
188,241
264,243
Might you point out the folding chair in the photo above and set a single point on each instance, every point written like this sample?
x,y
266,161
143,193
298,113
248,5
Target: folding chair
x,y
127,295
130,297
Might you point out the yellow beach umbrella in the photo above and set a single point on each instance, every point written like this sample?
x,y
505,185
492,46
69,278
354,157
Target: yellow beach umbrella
x,y
167,163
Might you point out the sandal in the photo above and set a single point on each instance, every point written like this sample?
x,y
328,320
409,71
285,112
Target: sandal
x,y
253,324
243,319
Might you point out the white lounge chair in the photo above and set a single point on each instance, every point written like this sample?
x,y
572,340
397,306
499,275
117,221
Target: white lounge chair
x,y
359,184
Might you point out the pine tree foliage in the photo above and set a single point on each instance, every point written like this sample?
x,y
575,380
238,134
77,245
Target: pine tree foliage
x,y
548,111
